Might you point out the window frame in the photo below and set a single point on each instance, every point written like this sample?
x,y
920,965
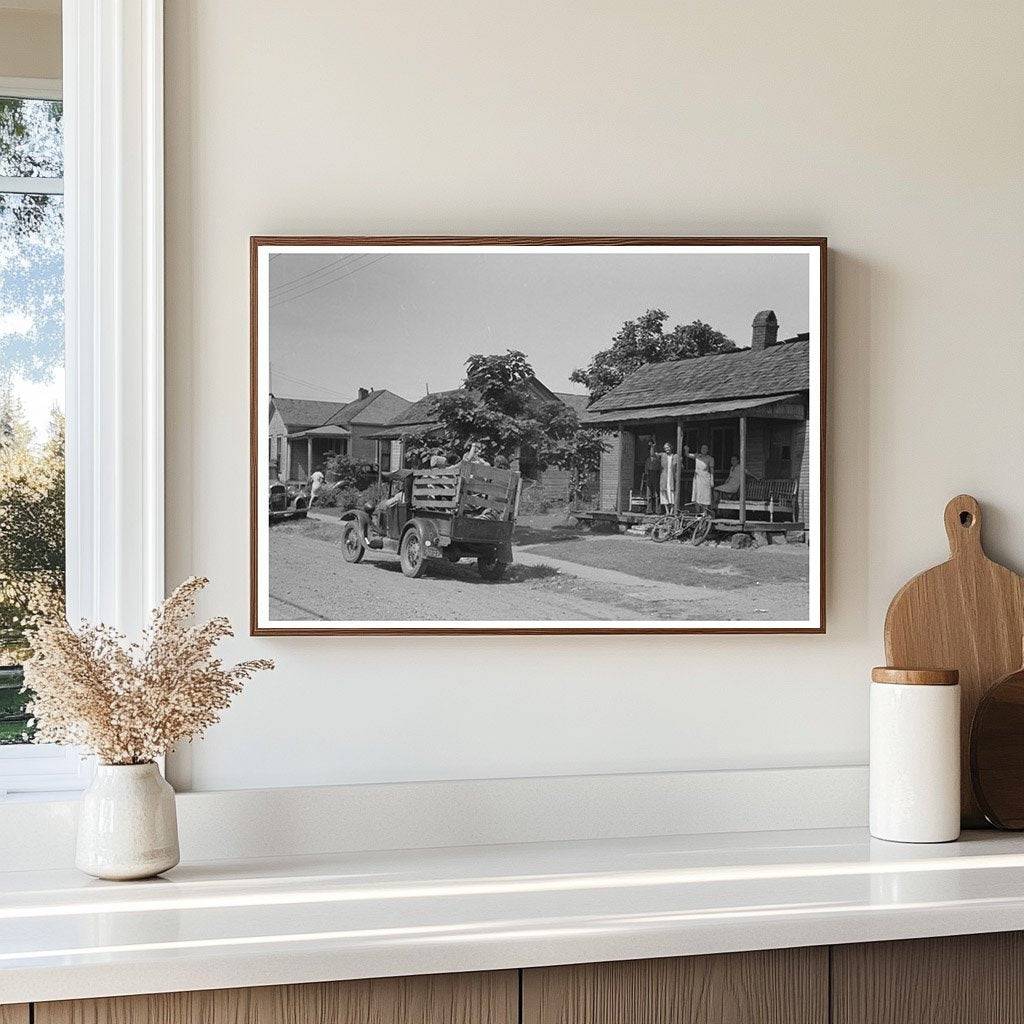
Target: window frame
x,y
37,768
112,91
48,89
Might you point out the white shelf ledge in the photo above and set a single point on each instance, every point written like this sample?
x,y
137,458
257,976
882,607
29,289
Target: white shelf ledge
x,y
353,915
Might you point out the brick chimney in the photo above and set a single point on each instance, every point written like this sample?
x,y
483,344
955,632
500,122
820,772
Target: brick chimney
x,y
365,392
766,330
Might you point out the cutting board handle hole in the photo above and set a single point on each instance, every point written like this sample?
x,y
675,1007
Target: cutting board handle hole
x,y
962,517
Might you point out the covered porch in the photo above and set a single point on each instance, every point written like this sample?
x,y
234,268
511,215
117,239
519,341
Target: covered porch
x,y
767,435
309,449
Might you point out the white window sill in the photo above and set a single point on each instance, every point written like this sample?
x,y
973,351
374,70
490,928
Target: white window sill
x,y
44,771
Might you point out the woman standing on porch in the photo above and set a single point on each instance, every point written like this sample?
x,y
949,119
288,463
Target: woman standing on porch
x,y
669,475
703,475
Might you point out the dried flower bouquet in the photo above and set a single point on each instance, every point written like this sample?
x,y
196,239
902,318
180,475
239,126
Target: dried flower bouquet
x,y
129,703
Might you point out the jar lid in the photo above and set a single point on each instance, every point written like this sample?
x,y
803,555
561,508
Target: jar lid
x,y
916,676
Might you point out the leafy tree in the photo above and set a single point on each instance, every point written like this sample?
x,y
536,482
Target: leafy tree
x,y
496,411
645,340
31,526
572,447
343,471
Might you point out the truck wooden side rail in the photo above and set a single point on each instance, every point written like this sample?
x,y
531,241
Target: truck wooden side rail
x,y
470,488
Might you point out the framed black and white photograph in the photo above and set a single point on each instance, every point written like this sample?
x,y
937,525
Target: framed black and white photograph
x,y
537,435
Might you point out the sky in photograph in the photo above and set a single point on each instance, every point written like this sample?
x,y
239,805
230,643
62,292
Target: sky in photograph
x,y
407,321
31,268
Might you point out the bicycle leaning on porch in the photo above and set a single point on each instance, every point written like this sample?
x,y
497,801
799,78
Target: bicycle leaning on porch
x,y
692,522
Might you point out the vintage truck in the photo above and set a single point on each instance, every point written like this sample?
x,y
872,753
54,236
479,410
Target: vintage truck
x,y
455,512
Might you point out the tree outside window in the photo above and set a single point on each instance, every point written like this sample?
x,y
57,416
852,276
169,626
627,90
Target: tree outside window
x,y
31,386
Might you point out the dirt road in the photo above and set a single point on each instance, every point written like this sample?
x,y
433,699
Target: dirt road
x,y
309,580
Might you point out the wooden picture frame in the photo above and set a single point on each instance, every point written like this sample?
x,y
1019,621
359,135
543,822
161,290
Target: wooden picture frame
x,y
757,497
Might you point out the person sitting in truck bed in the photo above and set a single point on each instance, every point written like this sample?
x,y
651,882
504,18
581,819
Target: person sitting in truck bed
x,y
473,455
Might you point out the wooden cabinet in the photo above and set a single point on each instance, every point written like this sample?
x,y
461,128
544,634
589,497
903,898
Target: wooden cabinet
x,y
491,998
778,986
963,979
971,979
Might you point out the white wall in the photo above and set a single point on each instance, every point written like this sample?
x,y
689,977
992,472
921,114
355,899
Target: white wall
x,y
30,39
895,129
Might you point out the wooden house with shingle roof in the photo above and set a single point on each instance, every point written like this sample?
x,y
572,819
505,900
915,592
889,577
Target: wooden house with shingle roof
x,y
752,403
305,432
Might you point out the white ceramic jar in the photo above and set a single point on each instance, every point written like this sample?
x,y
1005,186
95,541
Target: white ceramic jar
x,y
915,755
127,824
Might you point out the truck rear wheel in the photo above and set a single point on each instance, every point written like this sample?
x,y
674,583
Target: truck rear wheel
x,y
490,569
414,561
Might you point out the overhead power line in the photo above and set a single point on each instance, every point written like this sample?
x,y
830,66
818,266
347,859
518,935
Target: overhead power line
x,y
308,384
340,274
350,272
298,282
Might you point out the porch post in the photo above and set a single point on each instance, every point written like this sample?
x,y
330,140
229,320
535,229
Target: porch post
x,y
679,464
309,457
743,472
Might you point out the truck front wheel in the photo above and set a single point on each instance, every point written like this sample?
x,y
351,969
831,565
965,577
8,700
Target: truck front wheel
x,y
490,568
352,546
414,562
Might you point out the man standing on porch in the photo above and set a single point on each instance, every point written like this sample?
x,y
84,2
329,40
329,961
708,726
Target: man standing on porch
x,y
669,474
703,475
652,478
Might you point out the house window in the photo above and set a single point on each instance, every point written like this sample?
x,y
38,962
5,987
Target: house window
x,y
780,451
32,563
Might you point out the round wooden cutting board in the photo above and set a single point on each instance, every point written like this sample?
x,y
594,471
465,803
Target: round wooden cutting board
x,y
967,614
997,753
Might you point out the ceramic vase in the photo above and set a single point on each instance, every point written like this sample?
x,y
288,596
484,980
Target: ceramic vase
x,y
127,825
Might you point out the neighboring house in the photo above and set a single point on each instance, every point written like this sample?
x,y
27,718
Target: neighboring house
x,y
578,402
420,419
304,433
752,403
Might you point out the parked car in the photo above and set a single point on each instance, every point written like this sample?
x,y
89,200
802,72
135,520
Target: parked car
x,y
288,501
463,511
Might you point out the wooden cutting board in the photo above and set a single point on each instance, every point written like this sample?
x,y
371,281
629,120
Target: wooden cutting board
x,y
967,614
997,752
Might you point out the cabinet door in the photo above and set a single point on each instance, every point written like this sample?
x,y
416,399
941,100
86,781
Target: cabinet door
x,y
490,998
778,986
14,1013
962,979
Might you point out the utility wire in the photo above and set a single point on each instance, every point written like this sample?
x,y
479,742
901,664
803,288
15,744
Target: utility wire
x,y
314,286
303,278
308,383
324,284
